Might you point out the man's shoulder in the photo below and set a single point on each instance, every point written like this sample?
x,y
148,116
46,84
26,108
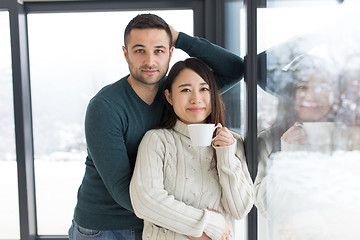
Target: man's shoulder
x,y
112,96
116,92
113,88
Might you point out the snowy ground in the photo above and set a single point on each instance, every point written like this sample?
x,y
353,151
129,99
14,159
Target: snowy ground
x,y
329,183
57,183
314,196
56,187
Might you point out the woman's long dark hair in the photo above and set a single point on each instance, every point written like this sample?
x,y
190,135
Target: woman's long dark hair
x,y
198,66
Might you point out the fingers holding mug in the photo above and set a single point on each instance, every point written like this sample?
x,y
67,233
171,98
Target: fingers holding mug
x,y
223,136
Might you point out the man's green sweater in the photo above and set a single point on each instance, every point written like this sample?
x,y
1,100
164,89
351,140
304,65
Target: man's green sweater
x,y
116,120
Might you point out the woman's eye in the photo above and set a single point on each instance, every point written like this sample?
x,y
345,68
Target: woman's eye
x,y
205,89
185,90
302,87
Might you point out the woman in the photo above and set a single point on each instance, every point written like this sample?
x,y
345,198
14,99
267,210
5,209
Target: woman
x,y
309,96
183,191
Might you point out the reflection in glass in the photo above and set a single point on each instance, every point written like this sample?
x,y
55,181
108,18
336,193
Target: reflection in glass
x,y
9,217
308,175
72,56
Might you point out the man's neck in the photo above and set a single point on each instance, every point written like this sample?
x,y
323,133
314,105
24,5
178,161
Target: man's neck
x,y
147,92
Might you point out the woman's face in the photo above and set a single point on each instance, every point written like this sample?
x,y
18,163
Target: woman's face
x,y
190,97
314,98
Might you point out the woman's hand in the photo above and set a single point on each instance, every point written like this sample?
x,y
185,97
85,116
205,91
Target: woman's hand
x,y
203,237
295,134
224,236
223,137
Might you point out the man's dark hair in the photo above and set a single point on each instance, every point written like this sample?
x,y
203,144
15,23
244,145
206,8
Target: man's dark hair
x,y
147,21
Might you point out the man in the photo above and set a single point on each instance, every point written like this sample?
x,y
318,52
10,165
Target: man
x,y
120,114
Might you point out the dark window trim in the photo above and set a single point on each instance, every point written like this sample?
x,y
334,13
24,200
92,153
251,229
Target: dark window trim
x,y
135,5
205,11
208,23
251,110
22,117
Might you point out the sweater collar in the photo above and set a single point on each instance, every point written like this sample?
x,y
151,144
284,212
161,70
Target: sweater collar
x,y
181,128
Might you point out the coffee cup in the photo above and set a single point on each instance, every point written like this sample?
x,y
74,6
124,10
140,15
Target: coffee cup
x,y
202,134
319,133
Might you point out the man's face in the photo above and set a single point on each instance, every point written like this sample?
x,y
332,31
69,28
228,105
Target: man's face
x,y
148,54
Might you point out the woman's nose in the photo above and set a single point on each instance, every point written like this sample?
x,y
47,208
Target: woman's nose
x,y
195,97
310,94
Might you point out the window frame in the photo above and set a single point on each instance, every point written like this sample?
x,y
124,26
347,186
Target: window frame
x,y
208,23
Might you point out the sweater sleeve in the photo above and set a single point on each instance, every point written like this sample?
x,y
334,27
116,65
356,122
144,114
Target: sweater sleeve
x,y
260,185
228,68
153,203
235,180
106,146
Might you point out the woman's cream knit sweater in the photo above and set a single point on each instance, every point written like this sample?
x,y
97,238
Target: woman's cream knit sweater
x,y
174,184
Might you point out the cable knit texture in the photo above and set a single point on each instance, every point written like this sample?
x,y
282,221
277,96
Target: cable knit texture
x,y
174,184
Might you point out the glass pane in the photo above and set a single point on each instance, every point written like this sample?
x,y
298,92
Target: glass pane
x,y
309,121
9,205
72,56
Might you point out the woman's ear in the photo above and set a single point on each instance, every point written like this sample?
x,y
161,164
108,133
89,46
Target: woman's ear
x,y
168,96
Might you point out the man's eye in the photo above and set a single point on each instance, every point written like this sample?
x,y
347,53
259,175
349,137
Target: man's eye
x,y
159,51
139,51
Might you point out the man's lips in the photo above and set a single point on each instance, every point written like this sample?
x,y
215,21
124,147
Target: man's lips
x,y
150,71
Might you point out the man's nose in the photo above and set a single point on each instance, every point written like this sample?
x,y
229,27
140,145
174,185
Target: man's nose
x,y
149,59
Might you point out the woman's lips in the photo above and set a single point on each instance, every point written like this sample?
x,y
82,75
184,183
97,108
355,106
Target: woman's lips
x,y
196,109
308,105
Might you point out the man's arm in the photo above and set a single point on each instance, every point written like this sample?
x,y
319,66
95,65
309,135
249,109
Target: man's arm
x,y
227,66
107,149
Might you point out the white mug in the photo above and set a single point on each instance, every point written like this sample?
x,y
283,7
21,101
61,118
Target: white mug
x,y
202,134
319,133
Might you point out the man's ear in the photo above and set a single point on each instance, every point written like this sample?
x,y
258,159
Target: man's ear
x,y
171,50
125,53
168,96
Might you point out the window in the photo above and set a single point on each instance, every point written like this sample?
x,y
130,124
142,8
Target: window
x,y
309,133
9,207
72,56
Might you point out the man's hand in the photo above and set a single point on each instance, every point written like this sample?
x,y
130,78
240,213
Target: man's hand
x,y
174,34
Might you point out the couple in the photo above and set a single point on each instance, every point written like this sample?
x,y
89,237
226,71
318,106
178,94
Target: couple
x,y
180,191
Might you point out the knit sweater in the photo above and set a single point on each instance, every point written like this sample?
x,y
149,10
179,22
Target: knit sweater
x,y
174,184
116,120
265,150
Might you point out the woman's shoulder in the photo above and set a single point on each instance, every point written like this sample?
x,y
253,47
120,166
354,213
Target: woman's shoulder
x,y
161,134
159,139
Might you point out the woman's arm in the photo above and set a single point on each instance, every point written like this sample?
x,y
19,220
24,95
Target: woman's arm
x,y
236,183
